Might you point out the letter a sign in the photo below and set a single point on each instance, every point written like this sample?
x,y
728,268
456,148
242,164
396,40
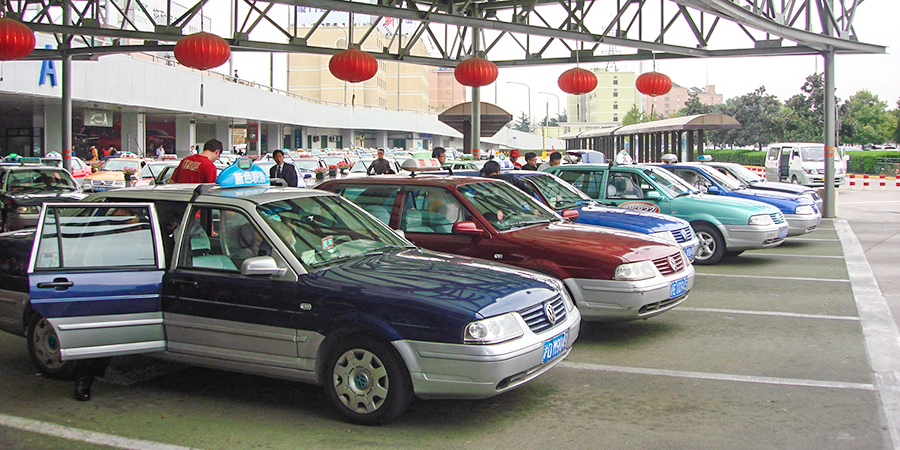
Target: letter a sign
x,y
48,69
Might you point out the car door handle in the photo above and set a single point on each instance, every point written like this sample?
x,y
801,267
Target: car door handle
x,y
189,283
60,284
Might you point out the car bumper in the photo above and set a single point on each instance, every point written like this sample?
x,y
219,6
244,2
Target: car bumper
x,y
690,247
819,180
746,237
612,300
460,371
802,223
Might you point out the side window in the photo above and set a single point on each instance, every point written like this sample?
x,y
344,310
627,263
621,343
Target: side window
x,y
574,178
376,200
773,153
624,185
3,180
117,236
431,210
220,239
692,177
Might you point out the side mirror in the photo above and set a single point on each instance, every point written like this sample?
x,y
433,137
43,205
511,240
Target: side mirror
x,y
401,233
797,158
846,158
653,195
712,190
466,227
570,214
261,266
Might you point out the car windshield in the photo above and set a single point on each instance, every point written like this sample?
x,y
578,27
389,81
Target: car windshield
x,y
52,162
668,182
305,163
120,164
40,179
813,153
743,174
332,160
326,229
153,169
728,181
559,194
505,206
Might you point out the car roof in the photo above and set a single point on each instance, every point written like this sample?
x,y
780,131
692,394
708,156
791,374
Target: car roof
x,y
422,179
212,193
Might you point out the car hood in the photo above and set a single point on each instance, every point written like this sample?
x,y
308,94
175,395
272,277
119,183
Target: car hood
x,y
740,206
106,175
38,197
784,201
780,187
628,219
591,246
431,281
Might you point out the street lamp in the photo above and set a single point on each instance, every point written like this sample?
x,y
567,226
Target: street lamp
x,y
529,100
548,106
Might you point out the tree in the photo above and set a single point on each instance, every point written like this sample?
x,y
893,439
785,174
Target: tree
x,y
523,123
868,119
895,138
802,118
633,116
693,106
757,113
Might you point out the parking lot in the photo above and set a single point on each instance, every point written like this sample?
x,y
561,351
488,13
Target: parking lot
x,y
781,348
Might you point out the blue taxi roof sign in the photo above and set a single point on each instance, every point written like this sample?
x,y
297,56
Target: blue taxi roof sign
x,y
243,173
705,158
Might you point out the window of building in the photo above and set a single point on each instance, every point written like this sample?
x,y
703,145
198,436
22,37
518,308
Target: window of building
x,y
615,118
615,106
615,94
615,82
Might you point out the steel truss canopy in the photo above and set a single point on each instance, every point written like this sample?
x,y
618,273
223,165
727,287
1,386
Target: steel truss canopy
x,y
509,32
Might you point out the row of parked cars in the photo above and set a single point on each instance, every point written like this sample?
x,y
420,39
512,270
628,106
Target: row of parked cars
x,y
378,288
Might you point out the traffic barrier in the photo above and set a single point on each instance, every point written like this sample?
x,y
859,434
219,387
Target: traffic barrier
x,y
881,182
852,180
865,181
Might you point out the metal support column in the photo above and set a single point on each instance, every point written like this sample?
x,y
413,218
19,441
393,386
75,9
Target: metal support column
x,y
701,139
829,203
690,146
476,97
66,90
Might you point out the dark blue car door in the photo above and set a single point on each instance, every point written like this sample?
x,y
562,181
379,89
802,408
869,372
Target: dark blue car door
x,y
96,275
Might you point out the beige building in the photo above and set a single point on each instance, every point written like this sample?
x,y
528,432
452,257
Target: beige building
x,y
395,85
614,95
444,91
666,105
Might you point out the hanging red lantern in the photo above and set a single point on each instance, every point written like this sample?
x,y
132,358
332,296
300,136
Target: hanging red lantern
x,y
653,84
16,39
475,72
577,81
353,65
202,51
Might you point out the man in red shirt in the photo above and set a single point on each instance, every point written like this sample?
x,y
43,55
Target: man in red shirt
x,y
199,168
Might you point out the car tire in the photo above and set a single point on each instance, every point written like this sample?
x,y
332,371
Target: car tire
x,y
366,382
712,245
794,180
43,348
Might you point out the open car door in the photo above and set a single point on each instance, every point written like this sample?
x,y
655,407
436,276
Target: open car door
x,y
96,275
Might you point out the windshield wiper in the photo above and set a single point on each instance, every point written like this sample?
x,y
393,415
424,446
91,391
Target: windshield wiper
x,y
526,223
685,193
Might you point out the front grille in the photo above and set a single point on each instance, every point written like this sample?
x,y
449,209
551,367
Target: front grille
x,y
537,319
652,308
820,171
772,241
777,217
683,235
669,264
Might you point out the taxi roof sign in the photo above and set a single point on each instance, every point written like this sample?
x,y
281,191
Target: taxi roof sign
x,y
243,173
421,164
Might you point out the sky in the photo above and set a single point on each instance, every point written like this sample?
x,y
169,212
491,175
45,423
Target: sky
x,y
782,76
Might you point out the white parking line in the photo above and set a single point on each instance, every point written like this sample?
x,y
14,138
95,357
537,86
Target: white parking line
x,y
75,434
881,334
764,277
815,239
719,376
781,255
767,313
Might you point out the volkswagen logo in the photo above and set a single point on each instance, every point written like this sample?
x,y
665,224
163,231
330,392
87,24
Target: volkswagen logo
x,y
673,263
550,313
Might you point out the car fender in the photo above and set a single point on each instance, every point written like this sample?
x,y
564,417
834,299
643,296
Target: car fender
x,y
545,266
357,323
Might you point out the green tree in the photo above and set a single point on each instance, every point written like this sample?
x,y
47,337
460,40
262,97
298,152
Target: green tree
x,y
693,106
757,113
895,138
522,123
868,119
633,116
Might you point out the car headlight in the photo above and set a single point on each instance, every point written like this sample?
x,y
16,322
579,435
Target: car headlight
x,y
665,235
493,330
28,210
805,209
635,271
809,171
761,219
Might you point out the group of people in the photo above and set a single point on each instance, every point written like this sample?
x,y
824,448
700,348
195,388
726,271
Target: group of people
x,y
493,167
95,155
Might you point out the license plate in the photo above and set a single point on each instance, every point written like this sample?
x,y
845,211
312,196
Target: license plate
x,y
782,232
689,252
555,346
101,188
678,287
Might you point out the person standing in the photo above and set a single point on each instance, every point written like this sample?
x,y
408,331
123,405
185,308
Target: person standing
x,y
514,156
283,170
440,154
380,166
530,161
94,155
160,151
555,160
199,168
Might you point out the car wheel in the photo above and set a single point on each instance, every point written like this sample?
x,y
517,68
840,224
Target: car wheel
x,y
794,180
712,245
366,382
43,348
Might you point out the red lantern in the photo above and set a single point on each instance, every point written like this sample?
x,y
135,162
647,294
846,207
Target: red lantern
x,y
653,84
202,51
353,65
475,72
577,81
16,40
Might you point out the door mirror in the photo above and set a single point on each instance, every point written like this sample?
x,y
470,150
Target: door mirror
x,y
400,233
570,214
466,227
846,158
796,158
652,195
712,190
261,266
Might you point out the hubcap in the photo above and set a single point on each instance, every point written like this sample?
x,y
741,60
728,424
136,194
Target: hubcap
x,y
361,381
46,345
707,246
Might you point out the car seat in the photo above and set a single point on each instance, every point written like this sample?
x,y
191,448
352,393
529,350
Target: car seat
x,y
414,222
200,248
611,191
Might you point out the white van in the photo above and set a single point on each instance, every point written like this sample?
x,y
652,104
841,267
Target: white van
x,y
803,163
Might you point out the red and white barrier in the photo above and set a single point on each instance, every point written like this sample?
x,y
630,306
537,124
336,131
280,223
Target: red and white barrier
x,y
865,181
852,180
881,182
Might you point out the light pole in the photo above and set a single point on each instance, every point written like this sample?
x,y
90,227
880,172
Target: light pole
x,y
529,100
557,103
